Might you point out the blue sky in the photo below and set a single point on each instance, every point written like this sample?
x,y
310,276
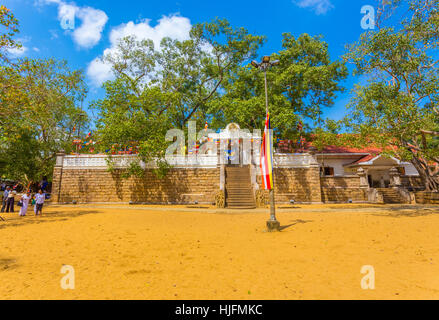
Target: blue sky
x,y
98,23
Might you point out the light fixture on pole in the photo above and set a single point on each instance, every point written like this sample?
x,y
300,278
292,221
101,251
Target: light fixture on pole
x,y
272,224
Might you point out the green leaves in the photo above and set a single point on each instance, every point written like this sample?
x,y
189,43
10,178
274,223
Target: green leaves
x,y
304,82
157,89
38,110
10,24
399,103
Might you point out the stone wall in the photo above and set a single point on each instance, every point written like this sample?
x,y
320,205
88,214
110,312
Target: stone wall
x,y
180,186
412,182
425,197
86,179
299,184
341,189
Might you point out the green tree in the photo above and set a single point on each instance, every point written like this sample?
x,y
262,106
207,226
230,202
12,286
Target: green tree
x,y
397,109
300,87
38,110
157,89
9,28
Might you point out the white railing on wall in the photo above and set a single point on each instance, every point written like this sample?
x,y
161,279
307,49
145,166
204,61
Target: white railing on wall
x,y
294,160
202,161
90,161
123,161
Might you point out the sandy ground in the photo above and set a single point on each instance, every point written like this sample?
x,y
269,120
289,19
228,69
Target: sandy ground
x,y
139,252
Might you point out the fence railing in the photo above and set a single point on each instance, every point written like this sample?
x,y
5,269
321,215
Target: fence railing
x,y
203,161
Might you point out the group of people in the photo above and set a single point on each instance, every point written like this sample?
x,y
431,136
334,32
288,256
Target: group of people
x,y
8,200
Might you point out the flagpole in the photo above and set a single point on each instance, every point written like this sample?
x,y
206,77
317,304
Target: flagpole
x,y
272,224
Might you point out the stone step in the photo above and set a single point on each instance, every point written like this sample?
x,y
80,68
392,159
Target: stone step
x,y
238,173
244,193
241,204
239,198
234,187
238,185
234,178
390,195
239,192
238,201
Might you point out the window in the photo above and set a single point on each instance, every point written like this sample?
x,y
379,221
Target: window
x,y
328,171
401,171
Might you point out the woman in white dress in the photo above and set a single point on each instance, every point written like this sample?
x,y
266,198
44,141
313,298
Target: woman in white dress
x,y
25,199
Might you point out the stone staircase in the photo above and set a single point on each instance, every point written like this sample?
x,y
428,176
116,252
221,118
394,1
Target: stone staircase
x,y
239,191
390,195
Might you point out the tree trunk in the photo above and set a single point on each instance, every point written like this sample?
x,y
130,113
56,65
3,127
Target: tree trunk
x,y
431,182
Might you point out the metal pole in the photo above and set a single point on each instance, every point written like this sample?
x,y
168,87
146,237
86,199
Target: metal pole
x,y
272,224
266,91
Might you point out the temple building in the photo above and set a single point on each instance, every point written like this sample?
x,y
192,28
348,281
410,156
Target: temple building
x,y
230,176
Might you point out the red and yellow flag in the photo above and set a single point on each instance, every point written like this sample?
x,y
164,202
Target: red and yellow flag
x,y
266,162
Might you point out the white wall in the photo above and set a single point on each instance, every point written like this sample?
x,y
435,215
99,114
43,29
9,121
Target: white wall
x,y
410,169
337,164
339,170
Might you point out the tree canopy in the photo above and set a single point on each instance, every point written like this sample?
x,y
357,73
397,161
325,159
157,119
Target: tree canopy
x,y
39,107
208,78
300,87
156,89
397,108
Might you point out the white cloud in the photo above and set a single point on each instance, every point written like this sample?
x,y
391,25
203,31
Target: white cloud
x,y
90,31
93,21
17,52
53,34
99,72
174,27
318,6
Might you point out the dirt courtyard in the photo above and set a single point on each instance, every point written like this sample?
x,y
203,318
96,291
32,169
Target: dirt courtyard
x,y
177,252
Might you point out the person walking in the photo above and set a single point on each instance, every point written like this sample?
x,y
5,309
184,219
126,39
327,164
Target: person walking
x,y
10,201
5,198
25,203
39,201
43,184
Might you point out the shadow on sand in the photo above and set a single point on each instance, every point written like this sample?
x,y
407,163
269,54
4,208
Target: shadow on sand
x,y
408,211
294,222
8,263
17,221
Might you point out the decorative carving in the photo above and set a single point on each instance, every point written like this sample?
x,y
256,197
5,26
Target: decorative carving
x,y
395,178
261,198
363,178
220,199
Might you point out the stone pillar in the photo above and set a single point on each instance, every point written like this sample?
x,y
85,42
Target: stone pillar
x,y
395,178
57,177
314,178
222,177
253,174
364,183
